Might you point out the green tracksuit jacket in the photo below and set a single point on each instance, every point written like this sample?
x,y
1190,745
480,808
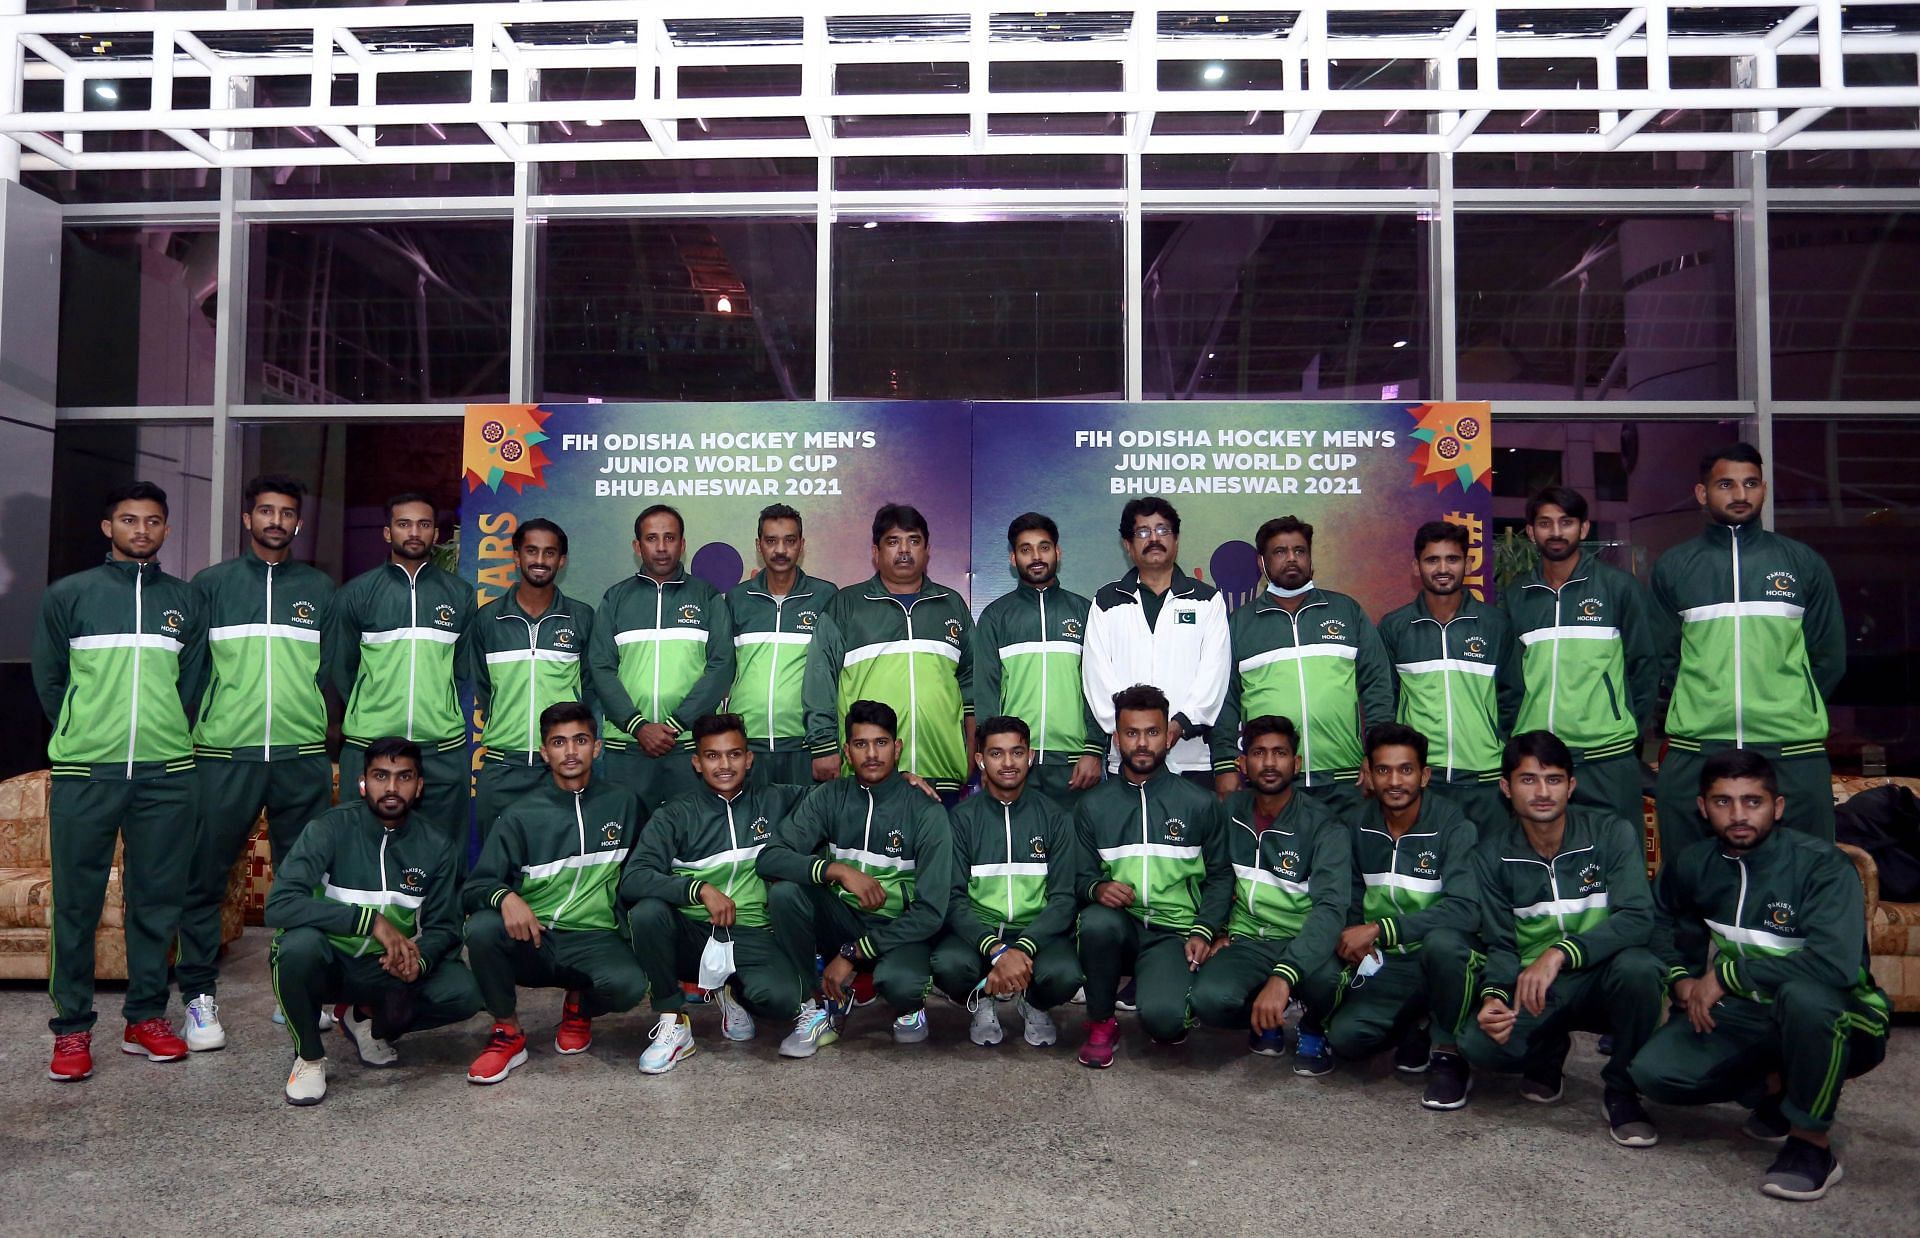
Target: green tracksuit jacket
x,y
522,664
1590,901
562,851
702,839
918,658
403,644
1292,880
1419,882
893,832
1166,838
270,638
1015,869
1790,909
1753,640
1588,655
119,656
1026,663
660,652
1458,683
348,868
1322,666
770,640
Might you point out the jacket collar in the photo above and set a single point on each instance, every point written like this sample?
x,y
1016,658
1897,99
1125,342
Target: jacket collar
x,y
1180,586
1266,601
679,576
1471,607
803,584
1537,577
130,568
1722,535
876,590
510,606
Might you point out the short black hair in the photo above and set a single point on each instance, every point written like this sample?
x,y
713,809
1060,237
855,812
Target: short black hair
x,y
540,524
1141,696
659,509
137,492
1003,724
900,516
410,496
779,511
1439,531
1269,724
1032,522
1395,735
1147,505
1737,763
272,483
1543,746
392,746
1738,453
707,725
562,712
1278,525
1569,501
873,713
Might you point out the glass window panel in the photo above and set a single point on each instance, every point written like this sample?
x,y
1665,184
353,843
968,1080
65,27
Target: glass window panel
x,y
194,184
1017,309
650,176
1285,305
137,314
1845,305
1387,171
1563,306
488,177
1065,171
676,310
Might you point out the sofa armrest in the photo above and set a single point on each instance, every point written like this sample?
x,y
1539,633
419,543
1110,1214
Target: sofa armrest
x,y
1869,879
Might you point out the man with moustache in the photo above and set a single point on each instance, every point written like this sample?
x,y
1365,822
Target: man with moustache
x,y
1761,932
528,647
260,742
403,632
119,656
1157,625
1457,675
1026,664
661,652
1303,652
1588,656
775,615
1754,646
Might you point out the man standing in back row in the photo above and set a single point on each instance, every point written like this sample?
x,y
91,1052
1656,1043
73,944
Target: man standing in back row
x,y
775,614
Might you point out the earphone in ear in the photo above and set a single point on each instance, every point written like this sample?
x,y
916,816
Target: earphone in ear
x,y
296,530
363,786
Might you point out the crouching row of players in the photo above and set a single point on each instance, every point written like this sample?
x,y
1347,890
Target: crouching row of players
x,y
1397,928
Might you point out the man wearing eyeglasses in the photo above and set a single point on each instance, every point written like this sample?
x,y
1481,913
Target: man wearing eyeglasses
x,y
1157,625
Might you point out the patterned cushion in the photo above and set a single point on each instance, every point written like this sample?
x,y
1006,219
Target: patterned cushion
x,y
23,821
26,898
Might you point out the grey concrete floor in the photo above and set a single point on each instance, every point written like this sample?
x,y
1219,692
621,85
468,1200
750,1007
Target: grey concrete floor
x,y
942,1137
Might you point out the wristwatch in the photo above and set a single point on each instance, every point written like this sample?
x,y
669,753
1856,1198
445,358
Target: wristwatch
x,y
850,951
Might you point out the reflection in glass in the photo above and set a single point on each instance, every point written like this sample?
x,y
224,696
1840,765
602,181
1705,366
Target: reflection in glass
x,y
136,315
1844,304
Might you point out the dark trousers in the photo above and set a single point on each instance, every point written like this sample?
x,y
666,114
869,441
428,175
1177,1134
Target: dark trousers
x,y
309,971
1622,997
958,966
1480,801
1434,982
788,767
1227,983
1051,781
500,784
1114,944
654,779
598,963
1612,784
902,977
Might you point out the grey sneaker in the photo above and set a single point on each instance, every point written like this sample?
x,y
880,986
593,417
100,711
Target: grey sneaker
x,y
811,1029
985,1028
1627,1120
373,1051
911,1029
1801,1171
1040,1031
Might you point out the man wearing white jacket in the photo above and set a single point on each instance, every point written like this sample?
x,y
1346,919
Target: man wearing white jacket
x,y
1159,626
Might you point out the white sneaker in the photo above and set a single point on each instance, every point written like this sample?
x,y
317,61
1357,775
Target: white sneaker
x,y
911,1029
986,1028
202,1030
326,1018
307,1084
1040,1031
1079,998
811,1029
735,1022
373,1051
672,1039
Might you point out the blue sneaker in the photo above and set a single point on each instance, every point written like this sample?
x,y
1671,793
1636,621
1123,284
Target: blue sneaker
x,y
1267,1044
1311,1056
837,1011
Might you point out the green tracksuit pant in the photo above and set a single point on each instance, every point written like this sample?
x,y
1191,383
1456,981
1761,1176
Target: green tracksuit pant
x,y
1434,982
309,971
499,784
1227,983
1805,780
1114,944
1613,785
1342,799
767,962
1480,801
446,800
154,815
654,779
232,794
902,977
1051,781
597,962
1623,997
789,767
958,966
1816,1036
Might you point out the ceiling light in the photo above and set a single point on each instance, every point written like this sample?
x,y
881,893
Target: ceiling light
x,y
871,223
1214,72
595,124
107,91
724,305
1399,343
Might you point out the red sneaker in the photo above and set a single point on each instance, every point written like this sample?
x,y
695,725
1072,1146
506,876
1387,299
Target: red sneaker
x,y
1103,1037
505,1050
155,1039
575,1032
863,994
72,1057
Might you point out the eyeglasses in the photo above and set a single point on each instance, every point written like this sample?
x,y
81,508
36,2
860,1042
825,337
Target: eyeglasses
x,y
1159,530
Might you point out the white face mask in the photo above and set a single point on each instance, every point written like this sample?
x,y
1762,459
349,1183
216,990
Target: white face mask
x,y
716,962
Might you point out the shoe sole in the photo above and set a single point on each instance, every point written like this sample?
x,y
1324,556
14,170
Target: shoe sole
x,y
57,1077
678,1057
1544,1100
1268,1052
820,1042
1321,1073
1096,1065
193,1048
304,1102
570,1052
1041,1042
151,1056
1448,1107
1421,1069
1805,1197
361,1054
518,1059
727,1033
1630,1141
1771,1140
914,1038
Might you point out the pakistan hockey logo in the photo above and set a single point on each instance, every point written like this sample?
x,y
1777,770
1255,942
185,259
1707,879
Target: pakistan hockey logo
x,y
1590,875
895,842
1038,846
172,621
443,614
610,832
1070,628
413,879
689,613
1176,829
953,630
563,637
1427,862
1476,647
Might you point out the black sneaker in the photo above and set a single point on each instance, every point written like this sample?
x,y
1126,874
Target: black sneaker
x,y
1414,1052
1627,1120
1604,1046
1543,1089
1801,1171
1766,1123
1126,998
1448,1082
